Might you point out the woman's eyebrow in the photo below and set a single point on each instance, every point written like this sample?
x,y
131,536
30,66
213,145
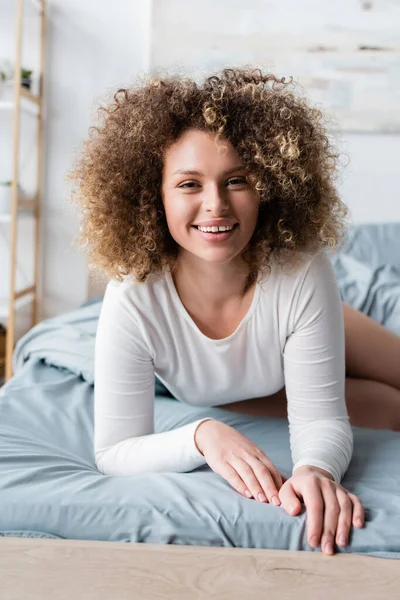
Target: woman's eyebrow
x,y
191,172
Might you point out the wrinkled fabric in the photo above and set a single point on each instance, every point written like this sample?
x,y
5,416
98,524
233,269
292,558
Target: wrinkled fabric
x,y
50,487
367,269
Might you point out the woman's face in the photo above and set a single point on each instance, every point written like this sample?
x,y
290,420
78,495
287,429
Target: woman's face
x,y
206,186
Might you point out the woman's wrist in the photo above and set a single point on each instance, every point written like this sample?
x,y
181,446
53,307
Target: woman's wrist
x,y
197,443
311,468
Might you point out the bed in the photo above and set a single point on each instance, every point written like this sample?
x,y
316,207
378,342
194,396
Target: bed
x,y
186,531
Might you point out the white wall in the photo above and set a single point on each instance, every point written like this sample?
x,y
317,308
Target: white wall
x,y
27,163
370,182
318,43
93,46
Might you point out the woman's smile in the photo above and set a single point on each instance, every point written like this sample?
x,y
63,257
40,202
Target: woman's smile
x,y
216,236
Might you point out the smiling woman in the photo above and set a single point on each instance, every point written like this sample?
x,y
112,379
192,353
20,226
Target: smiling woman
x,y
211,206
274,134
196,208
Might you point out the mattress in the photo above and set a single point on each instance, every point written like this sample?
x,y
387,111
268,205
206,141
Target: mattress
x,y
50,486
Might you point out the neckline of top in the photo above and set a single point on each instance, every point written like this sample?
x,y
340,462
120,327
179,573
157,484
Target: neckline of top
x,y
181,307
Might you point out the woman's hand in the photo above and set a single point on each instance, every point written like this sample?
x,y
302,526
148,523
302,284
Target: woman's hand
x,y
331,510
238,460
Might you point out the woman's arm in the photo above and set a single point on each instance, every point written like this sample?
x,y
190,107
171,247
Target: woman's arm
x,y
124,440
314,365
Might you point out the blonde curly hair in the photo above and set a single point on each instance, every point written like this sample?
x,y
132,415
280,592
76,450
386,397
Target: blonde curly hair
x,y
281,139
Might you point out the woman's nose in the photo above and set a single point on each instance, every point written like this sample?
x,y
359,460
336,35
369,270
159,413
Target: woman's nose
x,y
215,201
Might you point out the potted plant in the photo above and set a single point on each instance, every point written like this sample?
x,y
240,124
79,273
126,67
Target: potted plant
x,y
26,78
5,197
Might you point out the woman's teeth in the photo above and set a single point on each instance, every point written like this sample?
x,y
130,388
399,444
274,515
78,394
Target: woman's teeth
x,y
216,229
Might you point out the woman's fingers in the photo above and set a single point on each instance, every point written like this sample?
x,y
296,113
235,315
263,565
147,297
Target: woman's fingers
x,y
314,502
276,476
234,479
290,501
358,510
341,508
262,467
242,478
257,478
331,510
331,516
322,508
345,517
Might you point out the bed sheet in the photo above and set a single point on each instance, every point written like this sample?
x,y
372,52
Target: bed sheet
x,y
50,486
367,268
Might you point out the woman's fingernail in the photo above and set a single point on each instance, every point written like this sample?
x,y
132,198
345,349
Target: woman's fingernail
x,y
275,500
342,540
329,548
261,498
248,494
359,522
314,541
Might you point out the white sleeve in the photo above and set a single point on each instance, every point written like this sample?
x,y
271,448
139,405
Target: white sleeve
x,y
124,440
314,366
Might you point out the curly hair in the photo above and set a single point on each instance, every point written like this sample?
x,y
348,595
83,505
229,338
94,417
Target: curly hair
x,y
281,139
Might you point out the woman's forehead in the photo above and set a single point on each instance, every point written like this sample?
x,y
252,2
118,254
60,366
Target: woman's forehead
x,y
195,150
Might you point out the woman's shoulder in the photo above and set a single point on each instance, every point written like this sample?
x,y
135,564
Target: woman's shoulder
x,y
298,266
305,282
136,292
306,271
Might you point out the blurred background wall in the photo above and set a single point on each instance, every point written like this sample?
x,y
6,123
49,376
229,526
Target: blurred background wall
x,y
344,54
93,47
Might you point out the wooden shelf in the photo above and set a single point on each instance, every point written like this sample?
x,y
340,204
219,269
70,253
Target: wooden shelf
x,y
29,102
19,303
26,207
18,99
7,218
27,94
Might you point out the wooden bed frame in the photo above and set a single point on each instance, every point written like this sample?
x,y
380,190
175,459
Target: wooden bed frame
x,y
47,569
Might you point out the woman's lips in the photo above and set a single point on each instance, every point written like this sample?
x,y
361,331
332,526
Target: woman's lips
x,y
216,237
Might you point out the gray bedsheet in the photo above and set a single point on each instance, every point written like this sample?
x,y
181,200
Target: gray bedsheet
x,y
367,269
50,487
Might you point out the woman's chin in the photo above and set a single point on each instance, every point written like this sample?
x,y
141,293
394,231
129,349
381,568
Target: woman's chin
x,y
217,256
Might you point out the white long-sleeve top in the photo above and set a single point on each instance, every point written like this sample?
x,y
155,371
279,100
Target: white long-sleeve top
x,y
292,336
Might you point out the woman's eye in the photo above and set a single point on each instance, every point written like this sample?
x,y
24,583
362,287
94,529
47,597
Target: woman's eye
x,y
189,183
233,181
238,181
